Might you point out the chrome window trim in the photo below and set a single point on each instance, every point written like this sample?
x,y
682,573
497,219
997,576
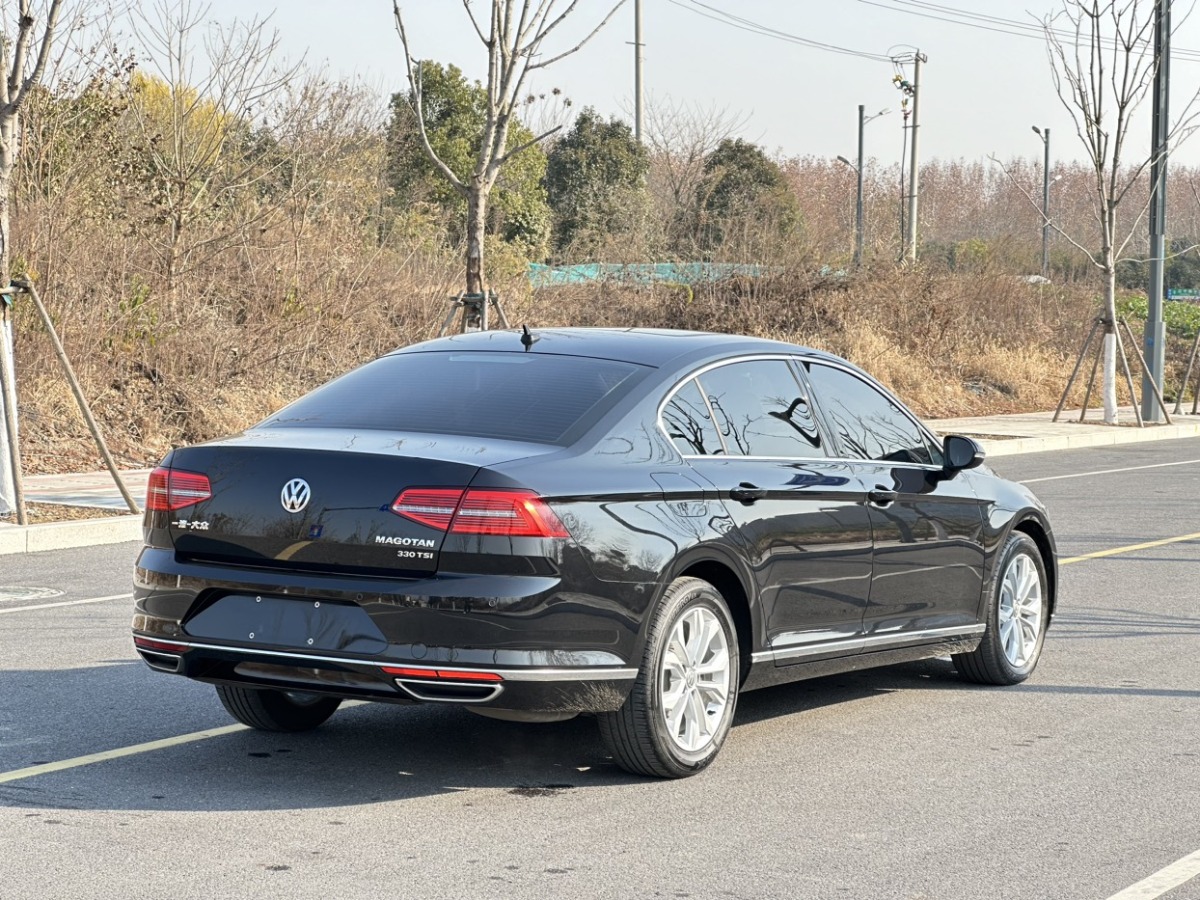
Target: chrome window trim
x,y
508,674
788,358
799,359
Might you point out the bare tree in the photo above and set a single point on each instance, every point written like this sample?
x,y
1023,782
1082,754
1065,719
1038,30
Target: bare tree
x,y
1101,55
196,128
22,63
514,37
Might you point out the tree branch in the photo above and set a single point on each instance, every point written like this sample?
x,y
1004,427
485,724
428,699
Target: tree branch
x,y
415,84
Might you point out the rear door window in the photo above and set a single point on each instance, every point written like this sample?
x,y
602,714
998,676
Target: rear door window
x,y
761,410
509,396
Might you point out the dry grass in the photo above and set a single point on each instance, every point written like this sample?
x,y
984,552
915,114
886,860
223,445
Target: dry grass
x,y
41,513
950,345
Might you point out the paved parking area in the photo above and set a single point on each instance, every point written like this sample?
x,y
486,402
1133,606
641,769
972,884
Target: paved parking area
x,y
894,783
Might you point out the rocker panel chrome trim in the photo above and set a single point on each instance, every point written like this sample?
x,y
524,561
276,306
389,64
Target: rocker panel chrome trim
x,y
867,642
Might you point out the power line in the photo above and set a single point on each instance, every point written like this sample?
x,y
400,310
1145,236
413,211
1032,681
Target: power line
x,y
995,24
726,18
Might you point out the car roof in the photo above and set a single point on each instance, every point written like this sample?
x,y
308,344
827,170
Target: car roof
x,y
644,346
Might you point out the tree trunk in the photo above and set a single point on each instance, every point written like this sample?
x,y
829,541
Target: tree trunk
x,y
1109,392
477,202
8,403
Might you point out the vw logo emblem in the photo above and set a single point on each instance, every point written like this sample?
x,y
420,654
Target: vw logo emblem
x,y
295,495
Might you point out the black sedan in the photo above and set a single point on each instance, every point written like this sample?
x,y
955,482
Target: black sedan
x,y
636,524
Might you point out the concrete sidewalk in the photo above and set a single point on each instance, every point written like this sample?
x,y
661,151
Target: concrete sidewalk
x,y
1002,435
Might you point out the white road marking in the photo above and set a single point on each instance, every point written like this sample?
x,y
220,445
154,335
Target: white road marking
x,y
1186,462
1163,881
133,750
17,609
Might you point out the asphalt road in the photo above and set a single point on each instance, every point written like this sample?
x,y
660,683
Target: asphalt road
x,y
894,783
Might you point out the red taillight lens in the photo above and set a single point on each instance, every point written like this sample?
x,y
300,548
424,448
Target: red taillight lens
x,y
511,513
171,489
164,646
429,506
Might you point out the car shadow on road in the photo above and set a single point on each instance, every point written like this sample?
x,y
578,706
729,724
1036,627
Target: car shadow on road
x,y
366,754
1094,622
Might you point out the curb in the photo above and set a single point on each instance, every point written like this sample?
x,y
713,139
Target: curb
x,y
1018,445
69,535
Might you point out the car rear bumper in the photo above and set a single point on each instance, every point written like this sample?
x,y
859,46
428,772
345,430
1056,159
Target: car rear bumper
x,y
559,690
537,648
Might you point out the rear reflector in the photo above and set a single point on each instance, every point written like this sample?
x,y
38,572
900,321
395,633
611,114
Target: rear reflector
x,y
510,513
171,489
446,674
161,646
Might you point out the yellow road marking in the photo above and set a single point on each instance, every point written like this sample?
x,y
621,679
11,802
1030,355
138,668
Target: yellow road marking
x,y
1130,548
47,768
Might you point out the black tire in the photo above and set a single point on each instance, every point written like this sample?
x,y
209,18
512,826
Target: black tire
x,y
989,663
637,735
271,710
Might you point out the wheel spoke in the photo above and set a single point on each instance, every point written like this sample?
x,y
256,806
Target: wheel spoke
x,y
698,716
715,664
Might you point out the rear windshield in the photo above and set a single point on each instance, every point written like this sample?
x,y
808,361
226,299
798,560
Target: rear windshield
x,y
509,396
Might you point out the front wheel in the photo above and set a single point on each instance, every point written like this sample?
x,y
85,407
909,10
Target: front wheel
x,y
1018,613
681,707
271,710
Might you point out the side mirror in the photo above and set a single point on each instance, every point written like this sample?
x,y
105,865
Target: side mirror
x,y
961,453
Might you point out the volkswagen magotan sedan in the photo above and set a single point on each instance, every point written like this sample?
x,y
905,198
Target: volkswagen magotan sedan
x,y
637,525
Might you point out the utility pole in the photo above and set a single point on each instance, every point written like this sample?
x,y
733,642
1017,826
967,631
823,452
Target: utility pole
x,y
1045,136
911,91
637,70
913,182
1155,333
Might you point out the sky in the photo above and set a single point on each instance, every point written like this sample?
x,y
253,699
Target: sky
x,y
982,88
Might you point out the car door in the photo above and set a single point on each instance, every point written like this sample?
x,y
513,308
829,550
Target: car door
x,y
801,517
927,523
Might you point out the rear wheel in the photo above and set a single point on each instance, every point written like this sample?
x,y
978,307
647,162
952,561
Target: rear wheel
x,y
272,710
1017,618
680,709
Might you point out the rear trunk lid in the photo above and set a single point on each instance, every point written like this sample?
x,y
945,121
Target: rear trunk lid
x,y
316,499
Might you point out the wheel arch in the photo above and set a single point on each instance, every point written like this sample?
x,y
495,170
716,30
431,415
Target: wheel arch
x,y
1039,533
733,584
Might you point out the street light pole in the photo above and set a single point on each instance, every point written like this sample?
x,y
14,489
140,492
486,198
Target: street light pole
x,y
1044,134
858,204
638,93
859,226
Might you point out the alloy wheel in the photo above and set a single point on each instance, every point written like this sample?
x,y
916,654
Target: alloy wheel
x,y
1021,609
694,681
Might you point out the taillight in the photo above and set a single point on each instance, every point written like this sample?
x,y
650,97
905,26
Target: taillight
x,y
171,489
510,513
429,506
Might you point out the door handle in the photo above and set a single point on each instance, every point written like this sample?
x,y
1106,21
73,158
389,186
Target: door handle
x,y
747,492
882,496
